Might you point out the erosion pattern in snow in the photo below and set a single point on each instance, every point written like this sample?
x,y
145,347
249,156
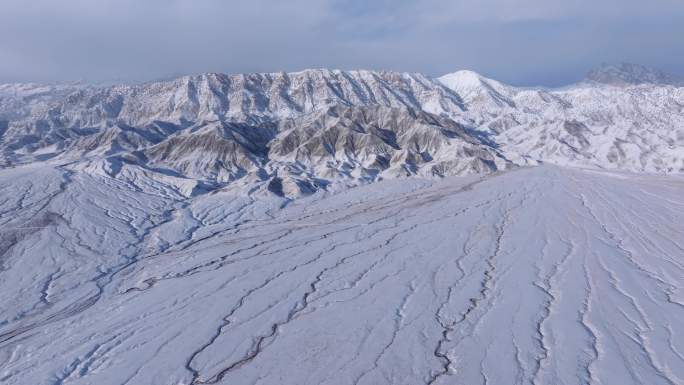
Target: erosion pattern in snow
x,y
541,275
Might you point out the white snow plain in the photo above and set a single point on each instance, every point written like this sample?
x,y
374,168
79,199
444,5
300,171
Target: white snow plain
x,y
540,275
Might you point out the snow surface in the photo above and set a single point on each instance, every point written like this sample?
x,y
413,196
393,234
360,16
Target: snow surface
x,y
540,275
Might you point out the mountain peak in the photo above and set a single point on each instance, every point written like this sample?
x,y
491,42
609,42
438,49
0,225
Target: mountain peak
x,y
471,86
462,80
624,74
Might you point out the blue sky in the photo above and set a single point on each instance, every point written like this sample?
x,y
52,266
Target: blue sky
x,y
523,42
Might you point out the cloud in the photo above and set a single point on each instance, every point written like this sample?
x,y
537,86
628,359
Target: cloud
x,y
521,41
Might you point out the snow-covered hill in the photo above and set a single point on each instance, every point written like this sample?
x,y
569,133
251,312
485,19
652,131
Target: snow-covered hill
x,y
542,275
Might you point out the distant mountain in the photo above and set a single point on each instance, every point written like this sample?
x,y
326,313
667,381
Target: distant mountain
x,y
299,132
630,74
475,89
637,127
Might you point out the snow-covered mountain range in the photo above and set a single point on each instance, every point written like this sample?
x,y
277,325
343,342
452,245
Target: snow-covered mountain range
x,y
148,234
297,132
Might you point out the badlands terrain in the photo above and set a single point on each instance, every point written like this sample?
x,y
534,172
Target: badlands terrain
x,y
343,227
